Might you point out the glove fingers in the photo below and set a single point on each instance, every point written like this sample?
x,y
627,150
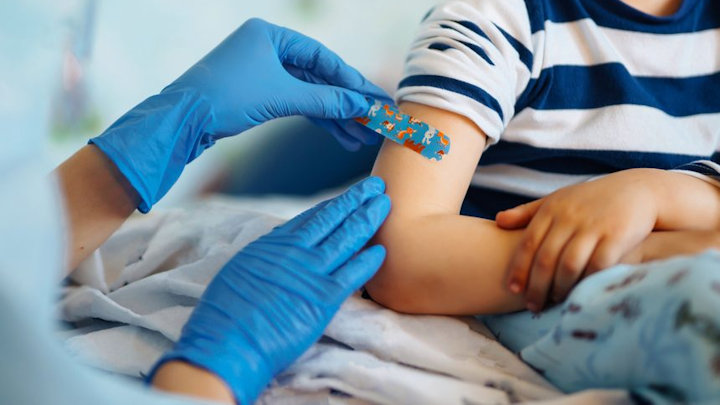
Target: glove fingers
x,y
321,65
302,218
324,101
309,76
334,128
304,75
355,231
322,224
355,273
360,132
309,54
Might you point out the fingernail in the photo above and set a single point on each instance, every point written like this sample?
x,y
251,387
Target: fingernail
x,y
515,287
532,307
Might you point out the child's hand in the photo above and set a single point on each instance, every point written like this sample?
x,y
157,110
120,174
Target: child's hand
x,y
664,245
582,228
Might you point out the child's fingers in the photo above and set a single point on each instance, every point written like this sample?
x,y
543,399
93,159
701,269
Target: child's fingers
x,y
635,256
542,272
518,217
532,238
572,263
606,254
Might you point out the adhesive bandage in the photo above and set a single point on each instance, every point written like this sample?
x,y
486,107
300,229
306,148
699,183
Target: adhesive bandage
x,y
388,121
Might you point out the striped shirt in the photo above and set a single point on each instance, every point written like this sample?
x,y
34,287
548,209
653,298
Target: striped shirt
x,y
568,90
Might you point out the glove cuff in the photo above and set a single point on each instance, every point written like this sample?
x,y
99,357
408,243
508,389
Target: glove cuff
x,y
152,143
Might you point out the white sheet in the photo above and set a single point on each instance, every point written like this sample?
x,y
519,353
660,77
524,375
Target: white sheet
x,y
140,287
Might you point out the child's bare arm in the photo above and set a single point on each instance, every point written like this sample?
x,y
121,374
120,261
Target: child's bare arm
x,y
588,227
685,202
664,245
439,261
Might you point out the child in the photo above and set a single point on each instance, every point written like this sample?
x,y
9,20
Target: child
x,y
552,94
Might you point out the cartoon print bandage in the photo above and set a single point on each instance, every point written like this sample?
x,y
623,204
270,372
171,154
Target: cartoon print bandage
x,y
412,133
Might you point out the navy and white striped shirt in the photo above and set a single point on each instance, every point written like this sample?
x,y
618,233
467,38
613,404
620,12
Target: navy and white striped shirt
x,y
568,90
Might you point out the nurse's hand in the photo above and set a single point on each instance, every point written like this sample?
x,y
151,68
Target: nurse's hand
x,y
263,71
260,72
275,297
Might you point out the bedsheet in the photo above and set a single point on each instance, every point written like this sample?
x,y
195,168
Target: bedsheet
x,y
127,304
652,328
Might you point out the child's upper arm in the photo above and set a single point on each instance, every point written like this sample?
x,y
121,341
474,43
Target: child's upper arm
x,y
437,260
464,74
418,186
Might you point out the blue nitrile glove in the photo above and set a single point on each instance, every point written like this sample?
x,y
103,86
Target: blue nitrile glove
x,y
260,72
273,300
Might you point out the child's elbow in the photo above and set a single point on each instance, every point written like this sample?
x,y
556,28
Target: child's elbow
x,y
398,284
388,289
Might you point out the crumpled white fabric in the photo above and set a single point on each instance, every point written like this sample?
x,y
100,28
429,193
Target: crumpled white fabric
x,y
137,291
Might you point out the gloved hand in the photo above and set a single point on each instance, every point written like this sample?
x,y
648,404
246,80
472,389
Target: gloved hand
x,y
260,72
273,300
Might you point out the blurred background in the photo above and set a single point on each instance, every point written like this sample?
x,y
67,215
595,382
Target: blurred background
x,y
114,54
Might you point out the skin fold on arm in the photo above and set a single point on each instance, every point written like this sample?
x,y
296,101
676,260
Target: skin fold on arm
x,y
439,262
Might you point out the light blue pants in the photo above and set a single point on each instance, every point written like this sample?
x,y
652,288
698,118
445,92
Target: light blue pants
x,y
653,329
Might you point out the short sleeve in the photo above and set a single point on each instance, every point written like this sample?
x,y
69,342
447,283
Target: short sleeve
x,y
473,58
707,170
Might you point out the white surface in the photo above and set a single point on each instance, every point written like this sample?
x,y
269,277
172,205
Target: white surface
x,y
147,278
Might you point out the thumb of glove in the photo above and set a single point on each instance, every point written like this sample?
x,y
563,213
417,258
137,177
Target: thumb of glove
x,y
327,102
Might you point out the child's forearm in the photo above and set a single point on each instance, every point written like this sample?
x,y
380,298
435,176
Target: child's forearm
x,y
664,245
684,202
445,264
456,265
